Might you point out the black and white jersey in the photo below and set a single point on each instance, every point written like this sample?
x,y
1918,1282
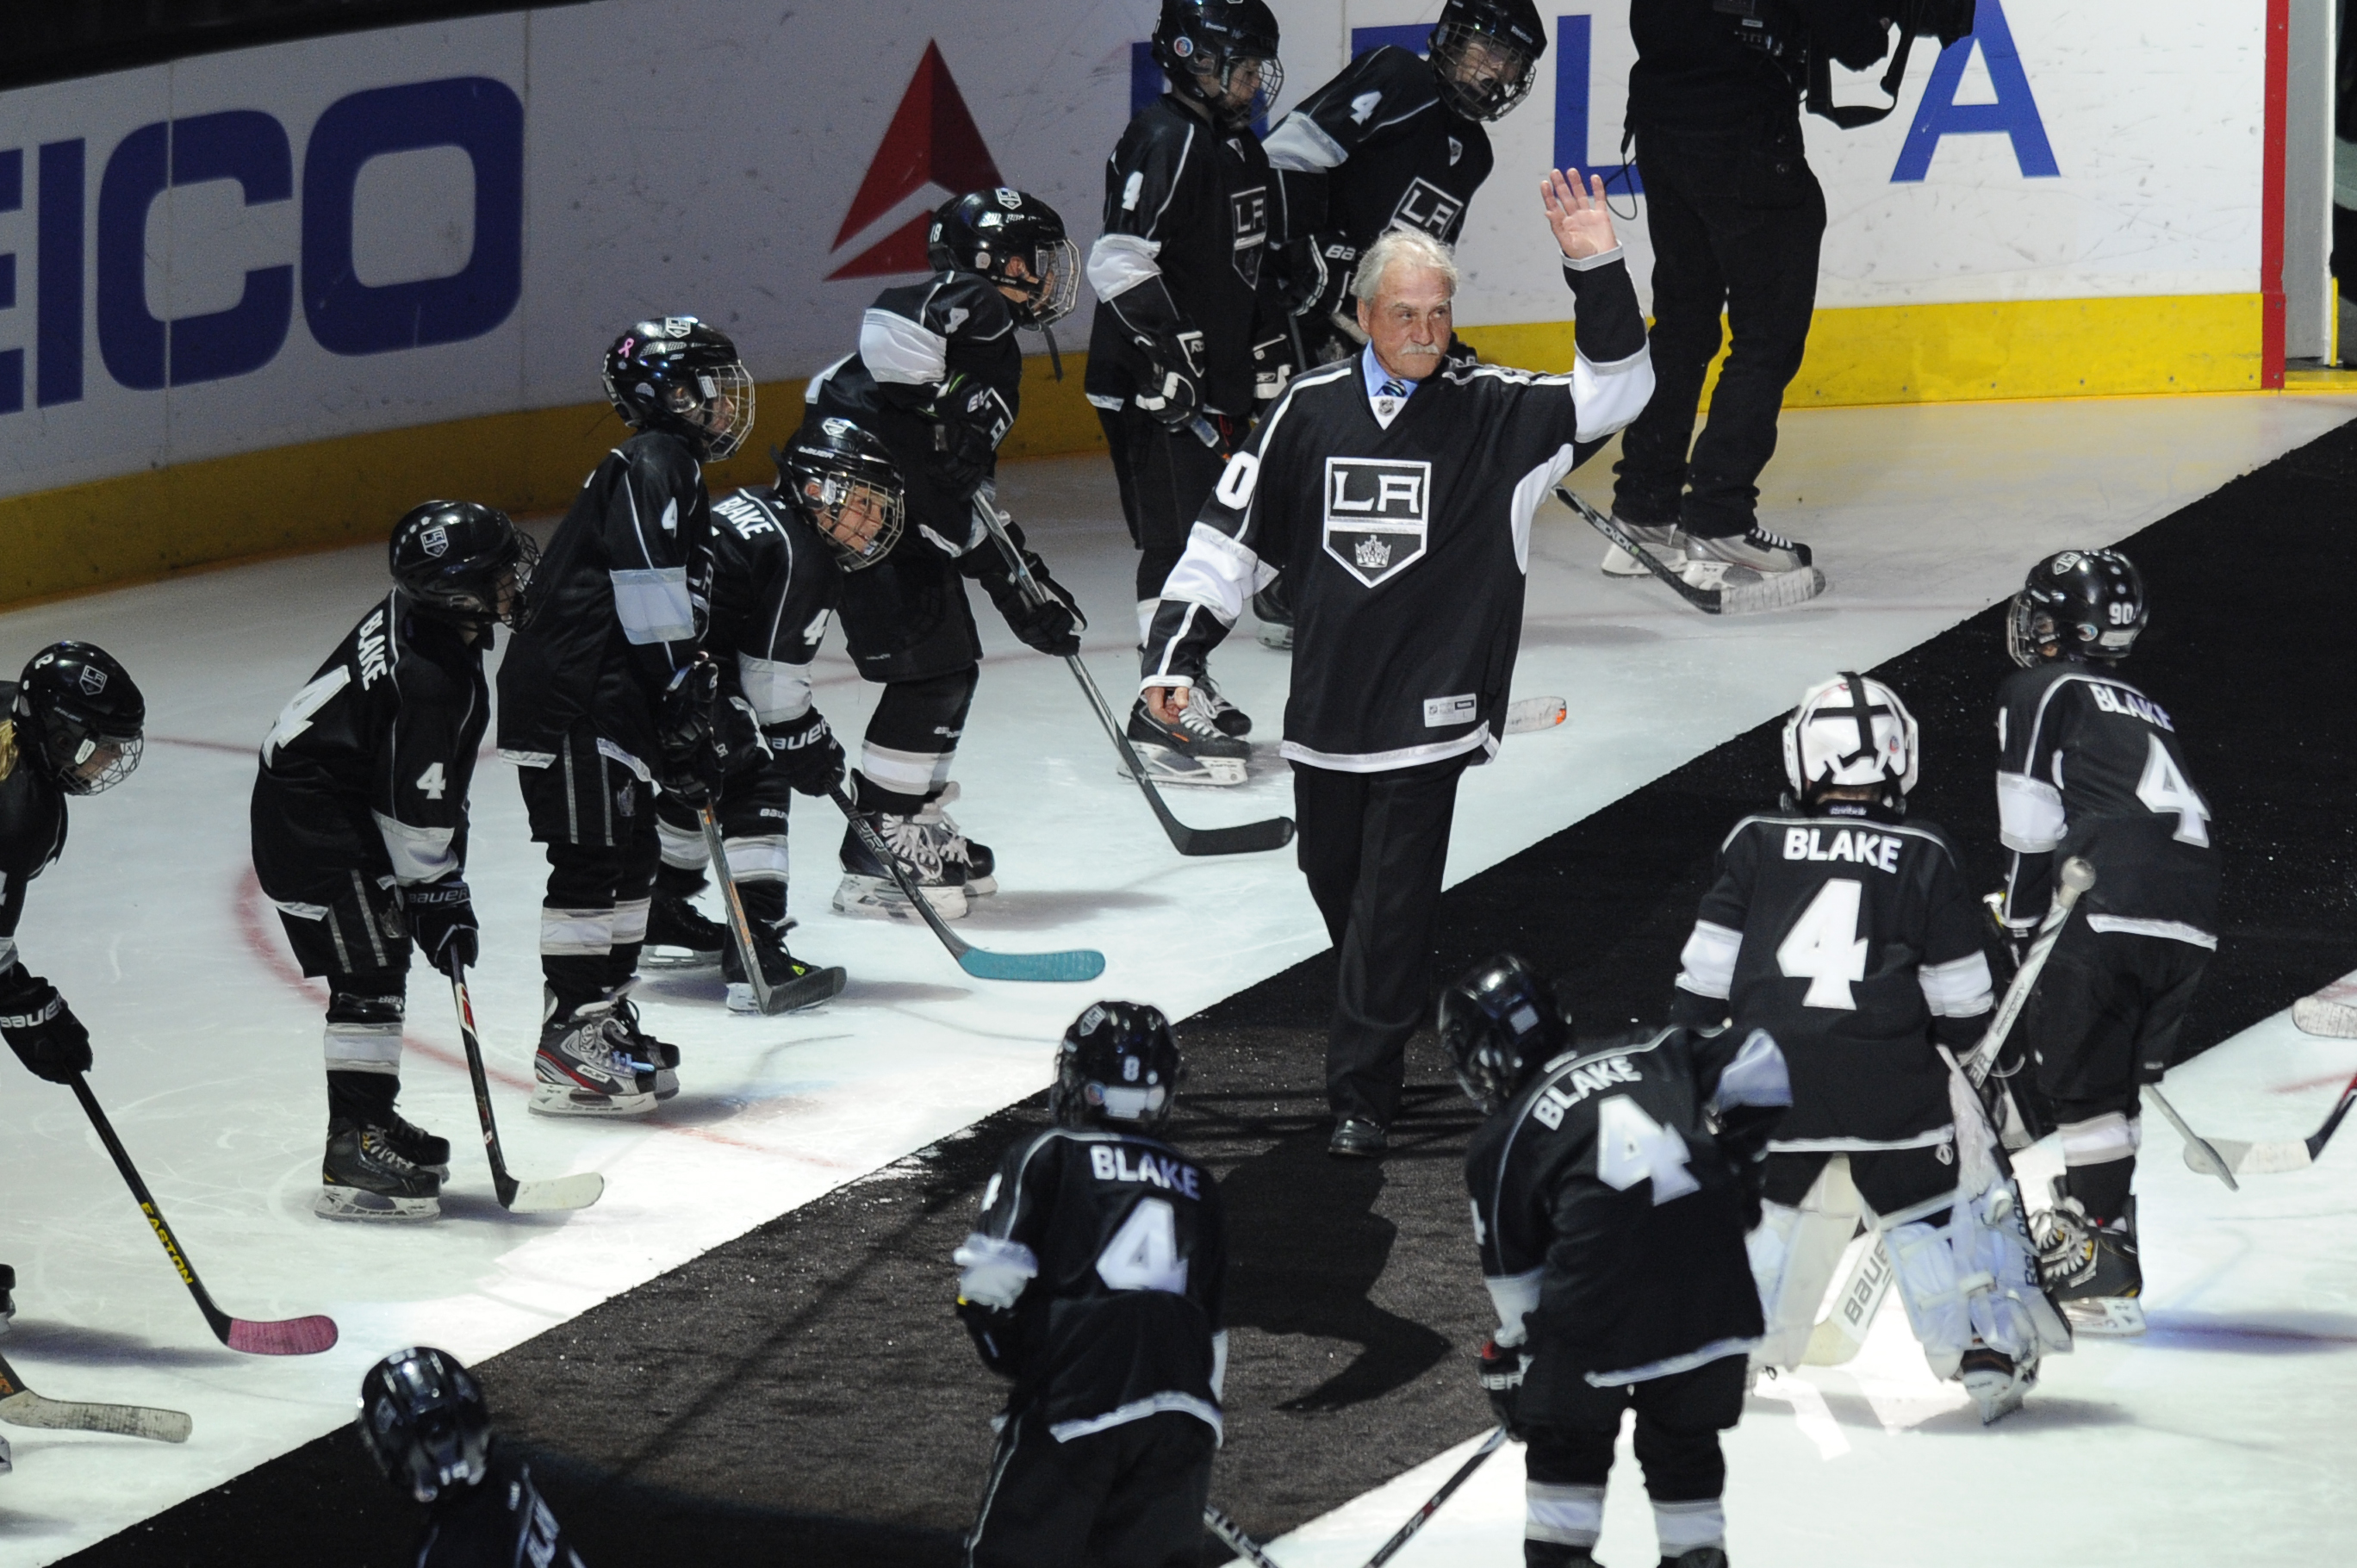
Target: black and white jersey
x,y
613,617
1609,1220
942,353
1128,1242
32,824
1855,944
1377,148
2090,765
1187,217
1402,530
369,765
500,1522
1694,73
774,586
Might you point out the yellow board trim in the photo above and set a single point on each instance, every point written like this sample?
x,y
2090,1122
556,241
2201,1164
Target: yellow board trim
x,y
347,490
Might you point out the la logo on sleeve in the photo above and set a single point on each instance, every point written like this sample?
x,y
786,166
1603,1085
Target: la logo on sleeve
x,y
1378,515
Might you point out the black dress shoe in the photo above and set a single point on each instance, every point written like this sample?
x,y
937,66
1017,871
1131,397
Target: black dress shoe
x,y
1358,1139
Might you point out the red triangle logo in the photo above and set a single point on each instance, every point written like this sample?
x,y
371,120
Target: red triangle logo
x,y
932,140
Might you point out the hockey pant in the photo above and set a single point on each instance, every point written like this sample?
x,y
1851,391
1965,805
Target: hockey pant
x,y
751,812
1130,1496
1165,477
911,741
593,809
1569,1454
355,941
2104,1019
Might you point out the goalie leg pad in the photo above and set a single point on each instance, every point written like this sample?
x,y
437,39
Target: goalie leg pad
x,y
1990,1234
1936,1292
1794,1252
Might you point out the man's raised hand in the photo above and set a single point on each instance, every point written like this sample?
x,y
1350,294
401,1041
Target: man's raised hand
x,y
1581,221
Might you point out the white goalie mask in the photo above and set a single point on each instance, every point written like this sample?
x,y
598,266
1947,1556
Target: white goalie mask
x,y
1850,732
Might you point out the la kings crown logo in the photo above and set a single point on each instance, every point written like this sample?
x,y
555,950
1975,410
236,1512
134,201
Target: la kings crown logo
x,y
1378,515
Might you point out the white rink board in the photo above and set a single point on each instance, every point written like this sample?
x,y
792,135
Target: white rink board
x,y
207,1056
705,154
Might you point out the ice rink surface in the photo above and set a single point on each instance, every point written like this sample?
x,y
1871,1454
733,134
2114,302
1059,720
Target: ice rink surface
x,y
208,1058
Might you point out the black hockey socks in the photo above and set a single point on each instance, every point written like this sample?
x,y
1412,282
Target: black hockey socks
x,y
361,1043
679,881
2102,1190
765,903
360,1099
911,741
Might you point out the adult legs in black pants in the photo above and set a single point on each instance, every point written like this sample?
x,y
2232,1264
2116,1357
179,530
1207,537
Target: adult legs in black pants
x,y
1736,222
1373,846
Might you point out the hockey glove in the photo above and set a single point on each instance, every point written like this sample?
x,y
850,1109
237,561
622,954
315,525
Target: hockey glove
x,y
1170,390
1053,626
1336,262
963,454
684,729
42,1030
441,919
1743,1132
807,753
1501,1379
993,1328
738,745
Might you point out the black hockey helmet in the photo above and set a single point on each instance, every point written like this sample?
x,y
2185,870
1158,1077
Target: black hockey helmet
x,y
1118,1063
2080,604
1214,49
1486,54
844,480
424,1422
78,713
680,375
1017,242
1500,1023
463,561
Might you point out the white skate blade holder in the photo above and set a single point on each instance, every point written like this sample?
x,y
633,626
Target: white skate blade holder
x,y
355,1203
2105,1317
1995,1394
1713,587
1166,765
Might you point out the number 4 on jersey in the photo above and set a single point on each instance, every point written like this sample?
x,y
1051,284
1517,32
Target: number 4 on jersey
x,y
1631,1146
1144,1253
432,783
1824,947
2165,792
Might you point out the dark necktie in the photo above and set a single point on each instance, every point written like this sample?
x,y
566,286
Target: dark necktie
x,y
1394,388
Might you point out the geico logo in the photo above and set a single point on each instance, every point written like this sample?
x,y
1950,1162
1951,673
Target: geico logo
x,y
346,314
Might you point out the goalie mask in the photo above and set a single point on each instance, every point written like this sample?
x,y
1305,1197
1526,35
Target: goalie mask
x,y
1499,1024
680,376
846,484
79,714
1118,1066
2080,604
423,1421
1850,732
1016,240
1222,54
1485,54
463,561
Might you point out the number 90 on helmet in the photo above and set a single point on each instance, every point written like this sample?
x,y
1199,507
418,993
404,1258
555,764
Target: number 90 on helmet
x,y
423,1421
1017,242
463,561
681,375
1118,1065
80,715
1851,732
2077,604
1500,1023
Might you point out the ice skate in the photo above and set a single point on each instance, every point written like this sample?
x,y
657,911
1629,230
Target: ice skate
x,y
1226,717
1665,540
924,851
2091,1271
662,1055
585,1068
1192,751
793,985
679,936
362,1176
1995,1382
419,1147
981,864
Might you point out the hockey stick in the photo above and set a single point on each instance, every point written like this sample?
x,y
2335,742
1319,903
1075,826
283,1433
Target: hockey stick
x,y
2275,1155
1532,714
1838,1340
1071,964
739,928
286,1337
1250,838
2198,1155
2076,877
515,1196
1231,1536
20,1406
1774,590
1416,1520
1202,430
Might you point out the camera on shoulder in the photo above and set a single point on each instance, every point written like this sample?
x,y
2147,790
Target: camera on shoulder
x,y
1777,30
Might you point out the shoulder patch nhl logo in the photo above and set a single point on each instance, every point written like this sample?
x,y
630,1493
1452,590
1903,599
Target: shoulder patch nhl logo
x,y
434,542
1378,515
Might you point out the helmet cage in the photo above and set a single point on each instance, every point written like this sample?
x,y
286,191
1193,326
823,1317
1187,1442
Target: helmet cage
x,y
716,403
681,376
1202,52
81,756
838,490
470,591
81,716
1469,90
1055,285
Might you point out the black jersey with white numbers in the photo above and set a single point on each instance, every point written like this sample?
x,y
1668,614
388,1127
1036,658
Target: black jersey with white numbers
x,y
1402,530
369,765
32,824
1854,942
1599,1197
774,585
1187,218
500,1522
614,612
2090,765
1375,148
1122,1318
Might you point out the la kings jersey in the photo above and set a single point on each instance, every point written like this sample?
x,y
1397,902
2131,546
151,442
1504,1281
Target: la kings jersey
x,y
369,765
1855,943
500,1522
1404,533
1607,1213
774,584
1187,215
2090,765
32,824
1375,148
1124,1318
612,617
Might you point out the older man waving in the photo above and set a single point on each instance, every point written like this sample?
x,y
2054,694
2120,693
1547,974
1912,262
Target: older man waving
x,y
1395,490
